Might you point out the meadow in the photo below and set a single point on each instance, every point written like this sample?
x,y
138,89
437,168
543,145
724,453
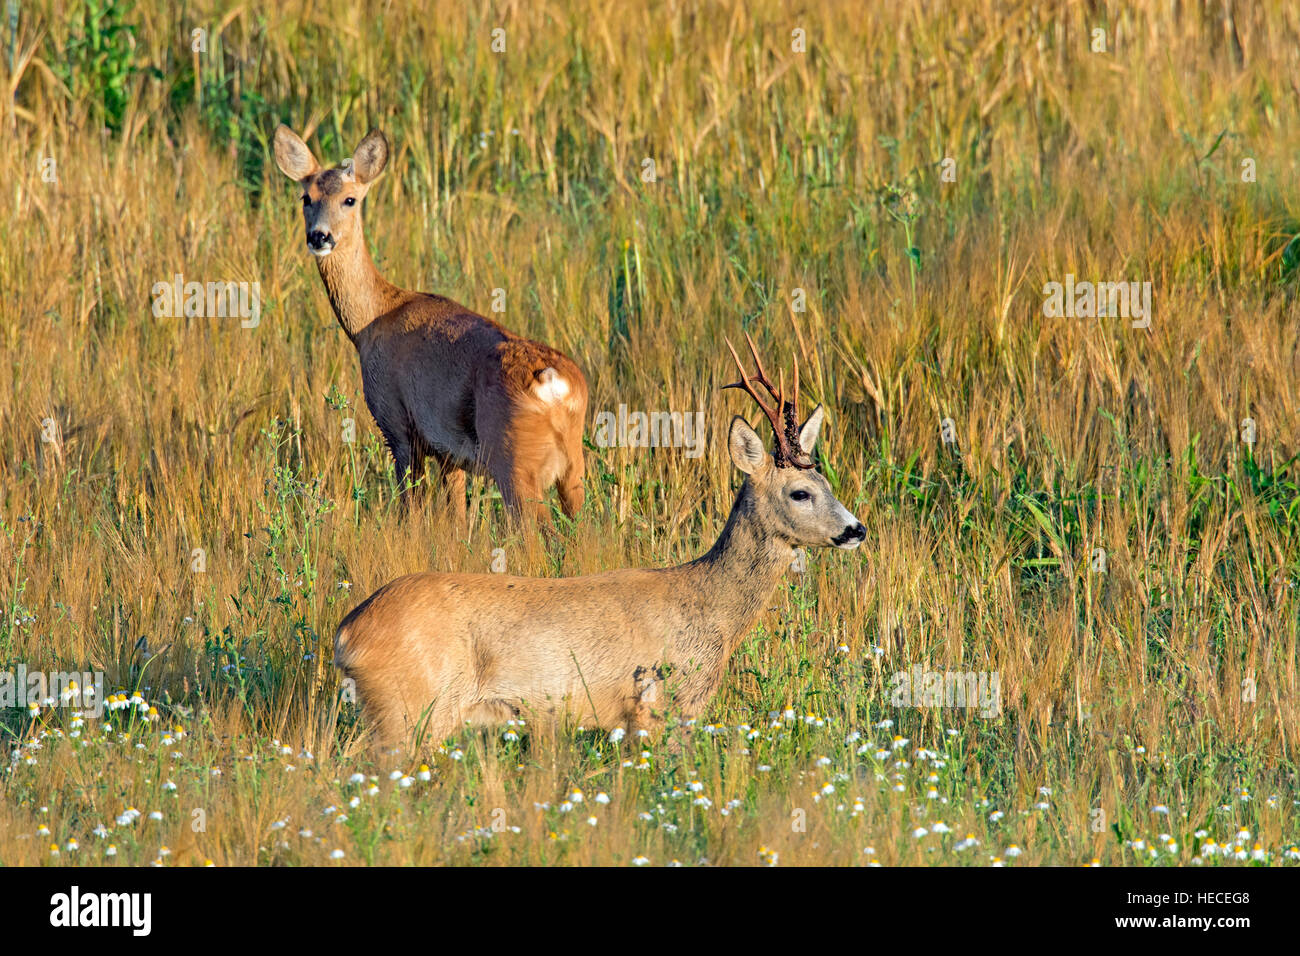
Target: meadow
x,y
1101,514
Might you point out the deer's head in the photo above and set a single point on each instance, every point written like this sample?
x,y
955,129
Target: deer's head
x,y
331,198
790,499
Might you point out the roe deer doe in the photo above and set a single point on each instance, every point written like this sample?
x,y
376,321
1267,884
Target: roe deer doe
x,y
605,648
441,381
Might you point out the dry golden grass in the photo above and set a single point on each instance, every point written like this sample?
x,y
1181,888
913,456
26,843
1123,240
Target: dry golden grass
x,y
776,171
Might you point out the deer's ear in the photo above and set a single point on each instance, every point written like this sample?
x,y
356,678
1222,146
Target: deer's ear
x,y
810,429
747,451
292,155
370,158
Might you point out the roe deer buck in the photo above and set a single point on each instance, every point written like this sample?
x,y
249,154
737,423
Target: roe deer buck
x,y
441,381
480,648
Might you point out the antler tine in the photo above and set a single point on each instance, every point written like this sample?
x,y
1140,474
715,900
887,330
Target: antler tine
x,y
798,457
762,373
796,386
783,416
773,414
790,410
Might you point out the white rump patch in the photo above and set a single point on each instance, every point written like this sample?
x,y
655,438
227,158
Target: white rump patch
x,y
550,387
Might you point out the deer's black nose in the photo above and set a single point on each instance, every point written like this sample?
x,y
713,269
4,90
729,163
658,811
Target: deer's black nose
x,y
317,239
856,532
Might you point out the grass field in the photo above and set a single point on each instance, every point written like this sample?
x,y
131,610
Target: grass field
x,y
1101,515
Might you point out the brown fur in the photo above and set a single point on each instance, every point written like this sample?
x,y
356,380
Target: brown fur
x,y
430,652
442,382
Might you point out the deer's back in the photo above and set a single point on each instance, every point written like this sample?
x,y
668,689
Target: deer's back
x,y
434,365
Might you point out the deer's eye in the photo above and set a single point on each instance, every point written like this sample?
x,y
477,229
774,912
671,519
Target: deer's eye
x,y
350,201
800,495
306,200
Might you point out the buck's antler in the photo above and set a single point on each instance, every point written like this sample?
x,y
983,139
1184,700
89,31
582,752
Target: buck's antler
x,y
784,416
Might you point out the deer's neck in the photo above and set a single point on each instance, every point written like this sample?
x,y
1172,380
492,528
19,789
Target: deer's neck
x,y
737,576
358,293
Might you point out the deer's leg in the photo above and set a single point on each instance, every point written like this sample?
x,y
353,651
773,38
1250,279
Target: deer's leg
x,y
645,708
506,484
520,491
414,490
492,424
528,490
440,723
515,447
490,713
384,735
385,723
393,724
644,717
454,481
572,493
399,445
453,485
